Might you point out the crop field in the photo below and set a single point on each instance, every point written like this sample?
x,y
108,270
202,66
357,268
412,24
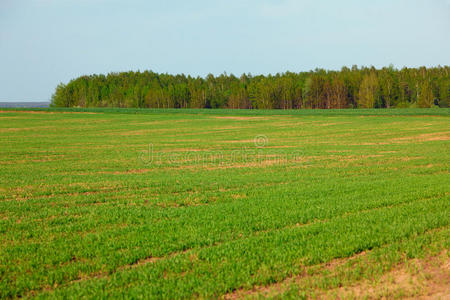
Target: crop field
x,y
224,204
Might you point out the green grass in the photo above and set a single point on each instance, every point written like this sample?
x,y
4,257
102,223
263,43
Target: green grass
x,y
83,211
305,112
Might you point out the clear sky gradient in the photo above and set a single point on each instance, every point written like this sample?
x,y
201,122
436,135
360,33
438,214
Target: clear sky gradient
x,y
44,42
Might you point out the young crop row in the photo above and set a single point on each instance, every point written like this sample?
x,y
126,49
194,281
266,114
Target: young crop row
x,y
267,257
80,214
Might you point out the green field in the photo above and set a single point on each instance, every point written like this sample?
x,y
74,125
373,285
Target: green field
x,y
224,204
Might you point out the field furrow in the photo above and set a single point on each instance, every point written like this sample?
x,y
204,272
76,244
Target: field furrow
x,y
163,204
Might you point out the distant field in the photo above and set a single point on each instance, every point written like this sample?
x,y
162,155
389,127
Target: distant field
x,y
24,104
224,203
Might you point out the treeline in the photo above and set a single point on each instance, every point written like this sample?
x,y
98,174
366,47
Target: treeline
x,y
348,88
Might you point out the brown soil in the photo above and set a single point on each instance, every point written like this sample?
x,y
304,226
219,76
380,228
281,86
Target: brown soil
x,y
419,279
427,278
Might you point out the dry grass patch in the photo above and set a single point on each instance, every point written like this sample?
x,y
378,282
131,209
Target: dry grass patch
x,y
419,278
426,137
427,278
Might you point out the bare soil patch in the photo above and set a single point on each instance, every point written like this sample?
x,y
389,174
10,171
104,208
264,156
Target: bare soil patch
x,y
420,279
438,136
427,278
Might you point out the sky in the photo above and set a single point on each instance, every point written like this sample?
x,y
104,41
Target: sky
x,y
46,42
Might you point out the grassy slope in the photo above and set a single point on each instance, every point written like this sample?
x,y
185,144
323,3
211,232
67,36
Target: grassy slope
x,y
81,212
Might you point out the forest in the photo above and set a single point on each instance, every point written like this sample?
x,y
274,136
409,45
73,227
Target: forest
x,y
356,87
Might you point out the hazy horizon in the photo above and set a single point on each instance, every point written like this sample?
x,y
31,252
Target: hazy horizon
x,y
45,42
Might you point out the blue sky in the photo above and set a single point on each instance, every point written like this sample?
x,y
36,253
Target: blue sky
x,y
44,42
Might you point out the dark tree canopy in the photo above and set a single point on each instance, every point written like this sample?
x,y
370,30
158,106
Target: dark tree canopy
x,y
348,88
